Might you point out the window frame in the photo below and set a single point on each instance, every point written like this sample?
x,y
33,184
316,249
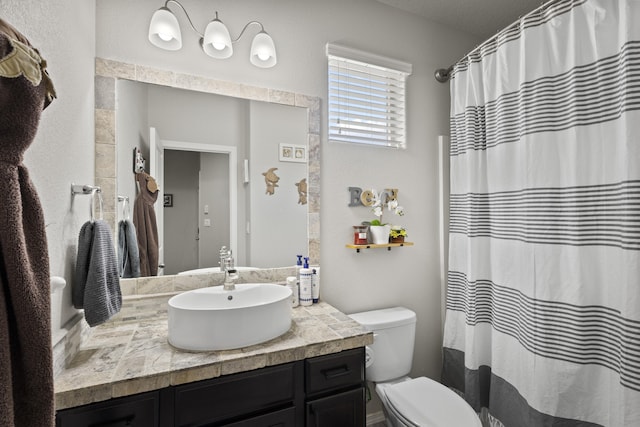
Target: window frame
x,y
366,96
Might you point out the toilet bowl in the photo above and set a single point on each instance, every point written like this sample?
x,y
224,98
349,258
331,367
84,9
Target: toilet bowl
x,y
407,401
424,402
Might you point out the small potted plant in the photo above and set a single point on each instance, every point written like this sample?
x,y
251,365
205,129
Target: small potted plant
x,y
397,234
380,232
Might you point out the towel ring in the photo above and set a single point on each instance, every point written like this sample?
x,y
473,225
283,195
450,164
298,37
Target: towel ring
x,y
126,208
94,192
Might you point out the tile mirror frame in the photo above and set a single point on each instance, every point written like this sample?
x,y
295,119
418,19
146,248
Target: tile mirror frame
x,y
107,72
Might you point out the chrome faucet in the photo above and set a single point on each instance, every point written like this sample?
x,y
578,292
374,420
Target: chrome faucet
x,y
224,255
230,274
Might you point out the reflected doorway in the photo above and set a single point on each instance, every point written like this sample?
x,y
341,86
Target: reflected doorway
x,y
199,208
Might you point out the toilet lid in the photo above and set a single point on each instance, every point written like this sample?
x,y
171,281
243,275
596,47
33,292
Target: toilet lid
x,y
427,403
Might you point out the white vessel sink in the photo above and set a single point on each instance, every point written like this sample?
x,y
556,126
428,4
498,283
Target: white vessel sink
x,y
214,319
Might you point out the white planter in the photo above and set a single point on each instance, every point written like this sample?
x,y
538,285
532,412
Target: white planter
x,y
379,234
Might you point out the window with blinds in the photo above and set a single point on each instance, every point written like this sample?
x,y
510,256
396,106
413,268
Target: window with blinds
x,y
366,98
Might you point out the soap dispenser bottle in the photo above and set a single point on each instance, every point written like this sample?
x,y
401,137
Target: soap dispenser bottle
x,y
306,297
298,267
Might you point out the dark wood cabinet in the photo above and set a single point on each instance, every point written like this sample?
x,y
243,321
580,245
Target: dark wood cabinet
x,y
335,394
321,391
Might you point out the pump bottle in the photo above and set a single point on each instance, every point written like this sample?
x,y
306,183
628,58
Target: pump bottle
x,y
306,297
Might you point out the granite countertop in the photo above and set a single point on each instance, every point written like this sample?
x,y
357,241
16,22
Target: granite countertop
x,y
124,358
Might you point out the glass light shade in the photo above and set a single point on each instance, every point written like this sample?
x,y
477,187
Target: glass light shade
x,y
263,51
217,41
164,31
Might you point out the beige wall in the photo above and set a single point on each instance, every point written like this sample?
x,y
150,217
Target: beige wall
x,y
132,116
63,151
278,223
301,28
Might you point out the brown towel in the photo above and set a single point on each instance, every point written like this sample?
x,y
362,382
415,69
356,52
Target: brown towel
x,y
144,219
26,373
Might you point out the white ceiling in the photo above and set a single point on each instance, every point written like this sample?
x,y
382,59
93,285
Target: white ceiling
x,y
482,18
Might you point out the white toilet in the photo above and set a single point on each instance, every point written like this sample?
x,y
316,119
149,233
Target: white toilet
x,y
407,401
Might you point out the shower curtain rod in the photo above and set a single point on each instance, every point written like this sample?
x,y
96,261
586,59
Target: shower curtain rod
x,y
444,74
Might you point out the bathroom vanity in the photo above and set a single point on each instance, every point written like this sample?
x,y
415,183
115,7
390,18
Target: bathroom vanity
x,y
321,391
126,373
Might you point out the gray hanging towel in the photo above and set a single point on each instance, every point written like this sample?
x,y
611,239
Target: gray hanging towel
x,y
97,285
128,255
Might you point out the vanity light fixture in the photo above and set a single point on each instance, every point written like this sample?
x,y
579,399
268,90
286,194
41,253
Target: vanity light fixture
x,y
164,32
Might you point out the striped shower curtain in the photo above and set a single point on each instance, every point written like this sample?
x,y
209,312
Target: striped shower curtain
x,y
543,300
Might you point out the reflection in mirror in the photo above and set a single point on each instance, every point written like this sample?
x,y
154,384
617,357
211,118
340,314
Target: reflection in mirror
x,y
226,203
200,139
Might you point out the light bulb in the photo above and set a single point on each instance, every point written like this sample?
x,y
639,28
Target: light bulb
x,y
164,30
216,41
263,51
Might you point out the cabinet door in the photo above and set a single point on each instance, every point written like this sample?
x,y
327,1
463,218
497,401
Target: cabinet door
x,y
134,411
345,410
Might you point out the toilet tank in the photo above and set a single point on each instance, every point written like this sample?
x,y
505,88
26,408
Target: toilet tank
x,y
391,354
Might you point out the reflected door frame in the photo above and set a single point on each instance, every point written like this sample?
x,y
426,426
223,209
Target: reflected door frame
x,y
233,177
156,168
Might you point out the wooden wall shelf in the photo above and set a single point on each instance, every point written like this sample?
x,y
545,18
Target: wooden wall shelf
x,y
374,246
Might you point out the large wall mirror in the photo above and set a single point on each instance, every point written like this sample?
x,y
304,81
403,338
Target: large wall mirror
x,y
209,142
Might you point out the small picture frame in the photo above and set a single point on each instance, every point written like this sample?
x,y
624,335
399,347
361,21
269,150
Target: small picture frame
x,y
292,153
168,200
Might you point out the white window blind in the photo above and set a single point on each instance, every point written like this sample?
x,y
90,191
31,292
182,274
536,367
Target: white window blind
x,y
366,98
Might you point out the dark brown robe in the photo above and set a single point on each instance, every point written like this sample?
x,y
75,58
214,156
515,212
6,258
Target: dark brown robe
x,y
26,362
144,220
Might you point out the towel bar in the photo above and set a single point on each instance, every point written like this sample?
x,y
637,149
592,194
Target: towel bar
x,y
83,189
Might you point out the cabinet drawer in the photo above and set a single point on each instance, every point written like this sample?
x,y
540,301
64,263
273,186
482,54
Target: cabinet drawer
x,y
235,395
334,371
345,409
139,410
